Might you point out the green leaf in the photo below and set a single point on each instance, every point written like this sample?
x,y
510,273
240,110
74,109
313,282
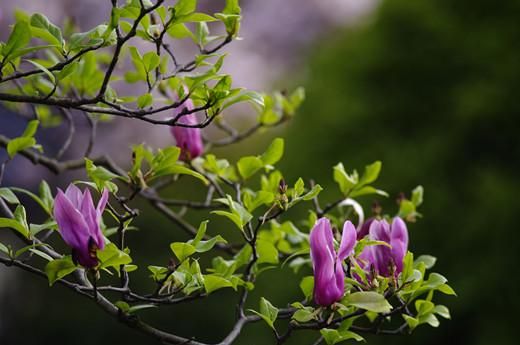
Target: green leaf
x,y
214,282
238,215
19,38
312,193
41,22
194,17
345,181
123,306
59,268
200,232
204,246
9,196
100,176
36,228
371,173
429,261
30,130
138,307
183,7
49,74
4,249
255,200
429,319
15,225
434,281
307,287
423,307
25,141
19,144
305,314
41,254
274,152
111,256
151,61
411,321
179,31
46,196
442,311
144,100
369,300
182,250
267,252
249,165
34,197
407,267
176,168
267,312
366,190
447,290
231,216
334,336
417,196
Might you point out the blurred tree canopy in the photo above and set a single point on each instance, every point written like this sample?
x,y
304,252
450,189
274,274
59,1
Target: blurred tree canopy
x,y
430,88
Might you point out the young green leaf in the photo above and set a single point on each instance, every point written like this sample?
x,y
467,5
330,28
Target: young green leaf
x,y
369,300
214,282
111,256
267,312
182,250
59,268
19,38
274,152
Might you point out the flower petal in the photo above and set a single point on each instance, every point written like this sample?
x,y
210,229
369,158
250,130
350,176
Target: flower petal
x,y
399,242
72,225
348,240
74,194
188,139
324,263
364,229
381,255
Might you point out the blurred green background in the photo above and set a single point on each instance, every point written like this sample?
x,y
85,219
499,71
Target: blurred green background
x,y
431,89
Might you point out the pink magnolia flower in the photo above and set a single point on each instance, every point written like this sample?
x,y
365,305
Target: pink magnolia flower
x,y
383,259
329,277
79,223
188,139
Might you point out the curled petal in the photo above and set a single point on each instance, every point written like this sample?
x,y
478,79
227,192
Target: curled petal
x,y
71,223
348,240
74,194
364,228
399,242
102,202
381,255
87,209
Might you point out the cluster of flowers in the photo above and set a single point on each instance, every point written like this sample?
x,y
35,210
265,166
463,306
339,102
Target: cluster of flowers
x,y
78,219
329,274
79,223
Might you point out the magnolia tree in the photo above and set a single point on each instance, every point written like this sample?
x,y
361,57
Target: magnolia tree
x,y
361,277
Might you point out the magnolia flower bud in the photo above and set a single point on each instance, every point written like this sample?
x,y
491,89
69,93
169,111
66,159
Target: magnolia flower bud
x,y
189,139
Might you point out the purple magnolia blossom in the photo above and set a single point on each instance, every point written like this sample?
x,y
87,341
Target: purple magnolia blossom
x,y
78,221
364,228
329,277
383,259
188,139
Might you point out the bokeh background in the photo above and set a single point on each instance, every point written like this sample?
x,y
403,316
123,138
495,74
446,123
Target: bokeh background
x,y
428,87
